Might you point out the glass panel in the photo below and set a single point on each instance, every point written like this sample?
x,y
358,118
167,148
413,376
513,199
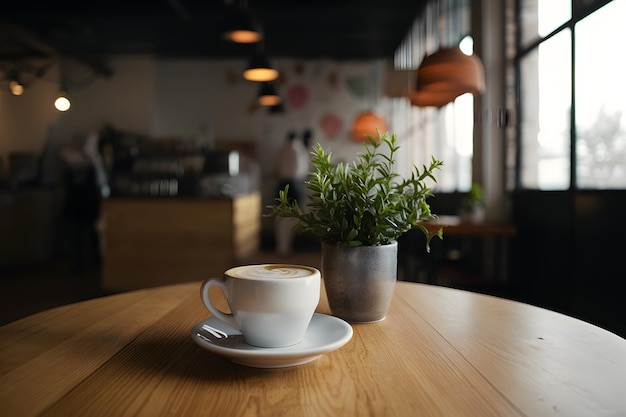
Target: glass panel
x,y
445,133
460,121
600,98
540,17
545,106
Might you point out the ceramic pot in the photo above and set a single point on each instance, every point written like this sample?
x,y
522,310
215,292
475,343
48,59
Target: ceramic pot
x,y
474,215
360,280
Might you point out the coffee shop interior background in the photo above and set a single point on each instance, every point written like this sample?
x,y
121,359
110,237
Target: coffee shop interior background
x,y
564,256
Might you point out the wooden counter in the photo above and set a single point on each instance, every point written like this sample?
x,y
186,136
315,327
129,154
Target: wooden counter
x,y
153,242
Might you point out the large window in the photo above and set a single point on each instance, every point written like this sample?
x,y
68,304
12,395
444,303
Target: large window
x,y
601,98
545,110
572,94
446,133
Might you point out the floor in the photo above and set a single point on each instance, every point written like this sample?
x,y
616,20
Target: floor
x,y
25,290
29,289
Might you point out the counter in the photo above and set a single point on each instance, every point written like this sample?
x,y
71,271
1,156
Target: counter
x,y
149,242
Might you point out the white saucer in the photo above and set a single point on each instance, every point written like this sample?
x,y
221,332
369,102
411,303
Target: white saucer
x,y
325,334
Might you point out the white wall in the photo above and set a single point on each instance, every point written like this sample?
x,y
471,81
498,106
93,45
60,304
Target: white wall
x,y
26,119
126,100
183,98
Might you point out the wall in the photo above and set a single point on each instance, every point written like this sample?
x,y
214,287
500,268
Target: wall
x,y
26,119
200,97
184,98
126,100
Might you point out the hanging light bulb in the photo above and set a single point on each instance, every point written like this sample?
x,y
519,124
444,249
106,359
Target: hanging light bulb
x,y
268,96
260,69
15,86
62,103
240,26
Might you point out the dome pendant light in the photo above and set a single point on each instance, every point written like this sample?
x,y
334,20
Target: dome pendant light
x,y
366,123
260,69
268,95
240,27
445,75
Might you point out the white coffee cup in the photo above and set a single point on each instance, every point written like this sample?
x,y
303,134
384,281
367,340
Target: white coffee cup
x,y
271,304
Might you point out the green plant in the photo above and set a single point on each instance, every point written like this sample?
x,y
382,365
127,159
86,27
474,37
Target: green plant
x,y
364,203
473,197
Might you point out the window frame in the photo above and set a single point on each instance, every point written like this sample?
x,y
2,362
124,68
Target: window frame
x,y
580,11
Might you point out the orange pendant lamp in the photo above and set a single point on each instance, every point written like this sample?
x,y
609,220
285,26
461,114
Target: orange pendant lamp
x,y
366,123
445,75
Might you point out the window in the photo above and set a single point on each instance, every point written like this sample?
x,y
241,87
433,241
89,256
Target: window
x,y
545,106
572,107
445,133
601,98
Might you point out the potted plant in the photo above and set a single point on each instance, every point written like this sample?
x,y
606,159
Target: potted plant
x,y
472,208
358,211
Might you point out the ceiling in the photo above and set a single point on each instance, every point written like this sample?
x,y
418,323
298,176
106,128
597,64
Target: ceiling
x,y
93,30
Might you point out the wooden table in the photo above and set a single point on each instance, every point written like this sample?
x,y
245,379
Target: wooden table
x,y
440,352
453,226
494,240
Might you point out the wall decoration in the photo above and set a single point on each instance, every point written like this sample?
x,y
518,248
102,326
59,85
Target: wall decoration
x,y
356,86
297,96
331,124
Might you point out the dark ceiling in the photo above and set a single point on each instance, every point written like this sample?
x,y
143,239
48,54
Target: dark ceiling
x,y
95,29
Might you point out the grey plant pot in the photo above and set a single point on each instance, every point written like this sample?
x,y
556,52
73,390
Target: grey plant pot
x,y
360,280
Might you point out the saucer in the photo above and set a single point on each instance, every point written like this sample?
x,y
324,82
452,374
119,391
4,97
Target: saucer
x,y
325,334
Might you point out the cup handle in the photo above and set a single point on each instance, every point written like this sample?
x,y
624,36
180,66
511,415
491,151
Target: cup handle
x,y
227,318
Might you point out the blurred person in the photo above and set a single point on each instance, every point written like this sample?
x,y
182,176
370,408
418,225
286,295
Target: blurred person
x,y
292,169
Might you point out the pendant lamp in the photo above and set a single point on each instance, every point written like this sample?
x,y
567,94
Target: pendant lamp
x,y
366,123
268,95
16,88
15,85
259,69
62,102
445,75
240,26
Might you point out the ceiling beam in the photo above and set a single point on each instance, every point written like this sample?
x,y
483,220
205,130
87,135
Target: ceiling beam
x,y
29,45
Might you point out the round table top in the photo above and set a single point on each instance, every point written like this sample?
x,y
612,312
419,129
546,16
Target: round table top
x,y
439,352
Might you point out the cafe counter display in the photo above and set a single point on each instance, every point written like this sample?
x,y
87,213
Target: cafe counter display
x,y
149,242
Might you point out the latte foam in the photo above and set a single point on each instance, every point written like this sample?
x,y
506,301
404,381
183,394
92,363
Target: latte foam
x,y
271,271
